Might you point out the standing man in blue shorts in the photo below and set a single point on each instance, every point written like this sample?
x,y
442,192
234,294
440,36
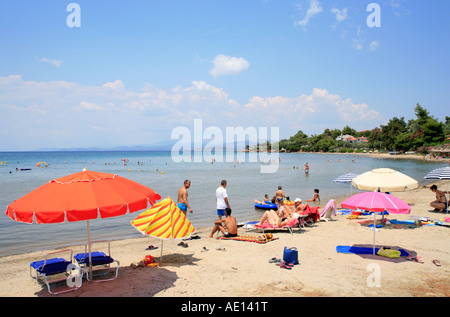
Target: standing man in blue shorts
x,y
222,199
182,197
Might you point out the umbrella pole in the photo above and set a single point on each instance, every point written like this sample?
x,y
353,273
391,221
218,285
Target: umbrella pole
x,y
160,257
374,228
89,249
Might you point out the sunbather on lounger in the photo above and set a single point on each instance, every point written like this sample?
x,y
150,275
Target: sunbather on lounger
x,y
273,219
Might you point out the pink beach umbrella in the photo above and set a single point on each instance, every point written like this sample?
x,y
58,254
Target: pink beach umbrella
x,y
377,202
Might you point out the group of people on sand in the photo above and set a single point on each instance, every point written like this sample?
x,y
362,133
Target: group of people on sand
x,y
285,211
228,225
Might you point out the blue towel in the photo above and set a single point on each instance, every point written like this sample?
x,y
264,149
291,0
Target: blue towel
x,y
98,258
52,266
362,250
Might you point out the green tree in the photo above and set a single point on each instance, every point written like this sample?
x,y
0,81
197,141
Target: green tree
x,y
391,131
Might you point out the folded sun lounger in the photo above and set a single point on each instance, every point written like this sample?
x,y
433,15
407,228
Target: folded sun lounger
x,y
330,209
100,262
57,267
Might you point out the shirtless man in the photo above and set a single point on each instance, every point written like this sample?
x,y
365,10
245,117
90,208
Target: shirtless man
x,y
441,200
228,225
182,197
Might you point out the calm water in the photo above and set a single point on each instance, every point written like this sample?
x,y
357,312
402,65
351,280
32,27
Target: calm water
x,y
245,183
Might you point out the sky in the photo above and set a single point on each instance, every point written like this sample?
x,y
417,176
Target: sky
x,y
113,73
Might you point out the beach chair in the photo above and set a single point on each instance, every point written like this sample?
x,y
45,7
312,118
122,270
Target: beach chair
x,y
56,267
101,262
311,215
291,224
330,208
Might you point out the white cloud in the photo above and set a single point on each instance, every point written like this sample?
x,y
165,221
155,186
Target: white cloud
x,y
54,62
314,9
116,85
320,105
374,45
66,114
227,65
341,15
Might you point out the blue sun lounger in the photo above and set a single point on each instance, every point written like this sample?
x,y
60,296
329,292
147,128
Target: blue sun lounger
x,y
56,267
100,262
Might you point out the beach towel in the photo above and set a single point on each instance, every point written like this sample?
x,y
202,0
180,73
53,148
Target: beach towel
x,y
312,212
362,250
264,238
331,205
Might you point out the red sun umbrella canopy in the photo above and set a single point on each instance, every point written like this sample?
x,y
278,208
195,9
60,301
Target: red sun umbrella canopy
x,y
378,202
82,196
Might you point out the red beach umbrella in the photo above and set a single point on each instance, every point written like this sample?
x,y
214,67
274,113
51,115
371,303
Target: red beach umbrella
x,y
82,196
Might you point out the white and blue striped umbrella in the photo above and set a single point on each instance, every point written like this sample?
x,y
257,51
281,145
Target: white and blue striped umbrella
x,y
346,178
439,173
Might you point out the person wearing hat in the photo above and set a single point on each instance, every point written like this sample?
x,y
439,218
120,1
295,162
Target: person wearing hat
x,y
298,206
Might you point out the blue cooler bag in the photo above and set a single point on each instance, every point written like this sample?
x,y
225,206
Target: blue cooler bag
x,y
290,255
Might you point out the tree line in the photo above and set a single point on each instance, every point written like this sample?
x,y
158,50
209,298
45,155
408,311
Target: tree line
x,y
417,135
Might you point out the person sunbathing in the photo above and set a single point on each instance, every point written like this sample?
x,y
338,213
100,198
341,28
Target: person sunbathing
x,y
273,219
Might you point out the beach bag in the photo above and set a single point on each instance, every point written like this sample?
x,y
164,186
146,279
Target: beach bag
x,y
389,253
290,255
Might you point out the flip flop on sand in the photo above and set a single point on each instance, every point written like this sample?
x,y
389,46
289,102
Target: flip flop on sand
x,y
205,249
285,265
275,260
151,247
182,244
220,249
436,262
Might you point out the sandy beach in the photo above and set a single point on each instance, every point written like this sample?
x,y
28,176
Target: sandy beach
x,y
243,269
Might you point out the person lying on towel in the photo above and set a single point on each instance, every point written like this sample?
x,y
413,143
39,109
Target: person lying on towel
x,y
228,225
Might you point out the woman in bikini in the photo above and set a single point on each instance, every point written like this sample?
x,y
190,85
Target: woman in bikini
x,y
440,204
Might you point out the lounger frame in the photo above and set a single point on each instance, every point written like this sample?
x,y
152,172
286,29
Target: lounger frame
x,y
45,277
100,269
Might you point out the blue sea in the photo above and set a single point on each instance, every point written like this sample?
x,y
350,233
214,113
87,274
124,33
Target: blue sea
x,y
157,170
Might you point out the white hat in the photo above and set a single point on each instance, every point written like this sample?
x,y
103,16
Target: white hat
x,y
297,200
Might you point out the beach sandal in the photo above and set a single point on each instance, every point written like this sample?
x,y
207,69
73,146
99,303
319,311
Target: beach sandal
x,y
410,257
285,265
436,262
275,260
182,244
151,247
418,259
220,249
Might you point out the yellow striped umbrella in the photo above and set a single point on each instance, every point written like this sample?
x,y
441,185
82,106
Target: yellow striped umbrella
x,y
164,220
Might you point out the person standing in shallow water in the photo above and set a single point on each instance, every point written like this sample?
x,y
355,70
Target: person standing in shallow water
x,y
222,199
182,197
